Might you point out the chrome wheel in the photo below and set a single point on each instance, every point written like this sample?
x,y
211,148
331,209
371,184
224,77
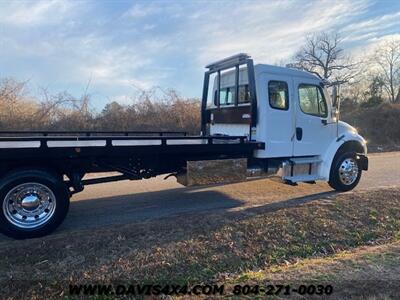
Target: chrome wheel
x,y
29,205
348,171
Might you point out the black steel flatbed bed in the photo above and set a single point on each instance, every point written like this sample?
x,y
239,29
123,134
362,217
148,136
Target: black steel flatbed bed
x,y
134,154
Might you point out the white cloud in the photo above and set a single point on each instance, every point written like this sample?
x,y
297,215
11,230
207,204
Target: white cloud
x,y
110,65
165,43
144,9
269,31
22,13
366,29
370,45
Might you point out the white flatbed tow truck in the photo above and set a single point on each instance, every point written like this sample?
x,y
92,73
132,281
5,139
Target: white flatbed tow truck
x,y
277,119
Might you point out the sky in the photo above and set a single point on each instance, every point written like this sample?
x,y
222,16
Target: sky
x,y
119,47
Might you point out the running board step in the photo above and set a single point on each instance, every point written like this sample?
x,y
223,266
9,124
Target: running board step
x,y
305,160
301,178
300,169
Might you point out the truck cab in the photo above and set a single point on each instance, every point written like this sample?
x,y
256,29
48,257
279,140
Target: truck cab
x,y
291,112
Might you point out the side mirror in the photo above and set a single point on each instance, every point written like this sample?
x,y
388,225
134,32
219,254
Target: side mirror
x,y
334,96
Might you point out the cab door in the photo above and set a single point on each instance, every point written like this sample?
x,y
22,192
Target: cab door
x,y
313,129
275,123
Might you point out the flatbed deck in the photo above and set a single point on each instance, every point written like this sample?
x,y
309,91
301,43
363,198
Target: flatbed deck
x,y
13,144
135,154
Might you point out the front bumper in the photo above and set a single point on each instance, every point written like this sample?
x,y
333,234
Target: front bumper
x,y
362,161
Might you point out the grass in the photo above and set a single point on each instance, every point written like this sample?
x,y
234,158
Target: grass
x,y
244,244
367,272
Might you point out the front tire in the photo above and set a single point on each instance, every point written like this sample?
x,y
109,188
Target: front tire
x,y
33,203
345,172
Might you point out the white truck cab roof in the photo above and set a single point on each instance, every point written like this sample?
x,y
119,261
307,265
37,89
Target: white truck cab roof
x,y
284,71
228,77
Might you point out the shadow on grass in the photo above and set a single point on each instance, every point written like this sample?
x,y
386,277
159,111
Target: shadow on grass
x,y
129,209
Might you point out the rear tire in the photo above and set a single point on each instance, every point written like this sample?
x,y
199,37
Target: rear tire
x,y
345,172
32,203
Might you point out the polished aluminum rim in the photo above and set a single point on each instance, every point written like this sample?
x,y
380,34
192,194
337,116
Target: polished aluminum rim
x,y
348,171
29,205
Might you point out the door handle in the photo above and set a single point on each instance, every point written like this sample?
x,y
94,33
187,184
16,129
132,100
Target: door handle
x,y
299,133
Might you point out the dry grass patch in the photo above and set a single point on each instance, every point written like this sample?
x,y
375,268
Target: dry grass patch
x,y
367,272
203,247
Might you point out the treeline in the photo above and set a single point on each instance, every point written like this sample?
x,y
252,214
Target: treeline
x,y
150,110
377,120
369,84
380,125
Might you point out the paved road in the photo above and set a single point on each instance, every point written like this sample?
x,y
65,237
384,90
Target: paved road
x,y
131,201
384,170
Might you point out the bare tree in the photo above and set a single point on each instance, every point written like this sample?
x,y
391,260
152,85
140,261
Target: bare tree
x,y
387,60
16,106
323,56
11,93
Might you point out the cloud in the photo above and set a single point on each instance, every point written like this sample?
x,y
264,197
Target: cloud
x,y
22,13
115,67
119,46
269,31
372,44
65,55
144,9
141,10
367,29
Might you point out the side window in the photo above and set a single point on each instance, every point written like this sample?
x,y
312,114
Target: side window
x,y
278,95
227,95
222,97
230,96
312,100
244,94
